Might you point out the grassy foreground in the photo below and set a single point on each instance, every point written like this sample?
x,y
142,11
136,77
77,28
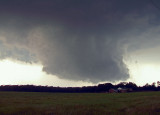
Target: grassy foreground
x,y
79,103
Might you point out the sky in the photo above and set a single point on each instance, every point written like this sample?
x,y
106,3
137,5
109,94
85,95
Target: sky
x,y
79,42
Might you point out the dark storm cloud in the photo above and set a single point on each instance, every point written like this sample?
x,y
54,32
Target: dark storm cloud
x,y
76,39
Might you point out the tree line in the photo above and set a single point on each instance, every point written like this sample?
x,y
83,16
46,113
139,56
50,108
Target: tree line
x,y
85,89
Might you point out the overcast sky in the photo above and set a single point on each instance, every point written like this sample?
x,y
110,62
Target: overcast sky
x,y
81,40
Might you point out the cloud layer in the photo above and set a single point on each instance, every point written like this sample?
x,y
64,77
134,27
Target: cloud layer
x,y
77,40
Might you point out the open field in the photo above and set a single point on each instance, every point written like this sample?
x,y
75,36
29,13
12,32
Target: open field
x,y
79,103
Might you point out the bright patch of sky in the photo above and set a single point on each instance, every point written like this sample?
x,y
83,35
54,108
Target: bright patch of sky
x,y
19,73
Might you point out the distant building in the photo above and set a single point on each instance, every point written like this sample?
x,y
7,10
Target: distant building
x,y
113,90
120,90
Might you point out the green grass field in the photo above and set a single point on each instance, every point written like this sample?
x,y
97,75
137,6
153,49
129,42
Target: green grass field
x,y
79,103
